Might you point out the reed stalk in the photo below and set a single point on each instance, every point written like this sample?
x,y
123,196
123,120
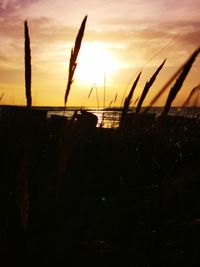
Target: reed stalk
x,y
148,86
90,92
73,58
179,82
97,96
27,51
1,96
163,89
191,95
128,100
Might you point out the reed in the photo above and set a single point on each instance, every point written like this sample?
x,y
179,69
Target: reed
x,y
1,96
136,100
169,82
195,90
27,51
148,86
115,116
97,96
179,82
128,100
115,99
73,58
110,103
90,92
104,91
163,89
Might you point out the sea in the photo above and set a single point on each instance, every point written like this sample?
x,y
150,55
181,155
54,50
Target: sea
x,y
109,118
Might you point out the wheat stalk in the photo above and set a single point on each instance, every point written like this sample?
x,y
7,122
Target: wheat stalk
x,y
148,86
73,58
128,100
27,51
163,89
179,82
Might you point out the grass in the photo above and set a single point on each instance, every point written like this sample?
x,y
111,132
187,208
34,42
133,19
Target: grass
x,y
179,73
97,95
27,50
148,86
128,100
73,58
179,82
194,95
1,96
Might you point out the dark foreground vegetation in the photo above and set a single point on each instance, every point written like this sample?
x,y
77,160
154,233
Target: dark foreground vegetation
x,y
73,194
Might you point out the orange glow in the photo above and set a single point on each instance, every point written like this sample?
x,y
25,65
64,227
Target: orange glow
x,y
93,62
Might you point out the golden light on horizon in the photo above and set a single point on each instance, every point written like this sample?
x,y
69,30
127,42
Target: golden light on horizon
x,y
95,61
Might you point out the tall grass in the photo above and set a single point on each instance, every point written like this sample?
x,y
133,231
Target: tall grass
x,y
164,88
128,100
90,91
104,91
97,96
73,58
193,94
27,51
167,84
1,96
148,86
179,82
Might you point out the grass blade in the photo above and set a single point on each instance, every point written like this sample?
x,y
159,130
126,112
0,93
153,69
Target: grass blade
x,y
148,86
1,96
110,103
90,91
128,100
27,51
115,98
179,82
136,100
191,95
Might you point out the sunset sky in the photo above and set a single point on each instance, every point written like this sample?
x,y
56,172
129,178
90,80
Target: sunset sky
x,y
120,38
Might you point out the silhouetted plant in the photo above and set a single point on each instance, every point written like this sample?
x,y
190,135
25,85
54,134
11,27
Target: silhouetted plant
x,y
175,89
27,65
128,100
73,58
148,86
97,97
90,91
195,90
136,100
1,96
115,99
164,88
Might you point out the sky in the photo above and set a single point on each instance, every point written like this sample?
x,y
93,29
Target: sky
x,y
121,37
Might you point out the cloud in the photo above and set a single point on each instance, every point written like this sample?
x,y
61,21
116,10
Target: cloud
x,y
16,9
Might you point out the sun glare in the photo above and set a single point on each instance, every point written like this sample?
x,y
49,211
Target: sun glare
x,y
94,61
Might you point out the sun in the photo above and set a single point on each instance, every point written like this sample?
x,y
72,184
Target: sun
x,y
94,62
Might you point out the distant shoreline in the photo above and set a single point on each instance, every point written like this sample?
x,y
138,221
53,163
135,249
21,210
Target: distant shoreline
x,y
61,108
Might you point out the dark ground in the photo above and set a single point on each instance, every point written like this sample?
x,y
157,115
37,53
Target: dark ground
x,y
76,195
